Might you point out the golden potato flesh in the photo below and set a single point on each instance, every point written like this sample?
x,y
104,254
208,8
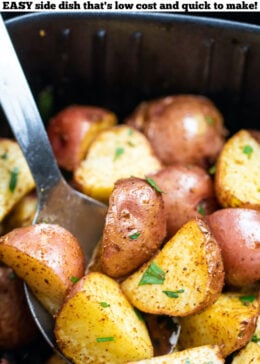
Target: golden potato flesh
x,y
237,176
184,277
182,129
16,179
47,257
118,152
249,354
229,323
72,130
207,354
135,227
98,325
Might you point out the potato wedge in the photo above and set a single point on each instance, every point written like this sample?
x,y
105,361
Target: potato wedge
x,y
237,179
207,354
135,227
183,278
250,354
229,323
98,325
16,179
118,152
47,257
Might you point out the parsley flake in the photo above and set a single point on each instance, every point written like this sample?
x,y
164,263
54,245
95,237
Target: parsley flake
x,y
212,170
105,339
187,361
247,299
173,294
209,119
4,155
255,338
248,150
12,275
118,152
153,275
130,132
104,304
134,235
13,179
74,279
201,210
152,183
138,314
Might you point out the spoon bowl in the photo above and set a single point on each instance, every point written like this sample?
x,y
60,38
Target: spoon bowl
x,y
58,203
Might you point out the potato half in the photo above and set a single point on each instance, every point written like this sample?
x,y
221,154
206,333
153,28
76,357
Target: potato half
x,y
230,323
237,179
16,179
98,325
184,277
47,257
118,152
249,354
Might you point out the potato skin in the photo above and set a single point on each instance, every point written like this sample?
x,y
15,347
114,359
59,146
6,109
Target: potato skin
x,y
182,128
188,193
72,129
237,231
17,327
135,207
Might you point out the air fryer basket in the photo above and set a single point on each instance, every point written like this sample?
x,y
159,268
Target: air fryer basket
x,y
118,60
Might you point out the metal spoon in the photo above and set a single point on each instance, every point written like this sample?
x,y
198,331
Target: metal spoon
x,y
57,201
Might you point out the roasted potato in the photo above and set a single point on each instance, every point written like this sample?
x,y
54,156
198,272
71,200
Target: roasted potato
x,y
72,130
98,325
229,323
135,227
183,278
118,152
47,257
55,359
237,231
183,128
208,354
16,179
17,328
237,179
250,354
188,192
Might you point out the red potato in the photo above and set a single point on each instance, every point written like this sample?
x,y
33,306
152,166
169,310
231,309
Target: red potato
x,y
237,231
188,193
72,130
184,128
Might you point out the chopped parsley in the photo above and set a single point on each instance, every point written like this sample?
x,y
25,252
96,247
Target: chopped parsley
x,y
134,236
131,144
45,102
130,132
74,279
13,179
187,361
212,170
247,299
104,304
248,150
4,156
209,119
173,294
201,210
138,314
118,152
12,275
153,275
105,339
255,338
152,183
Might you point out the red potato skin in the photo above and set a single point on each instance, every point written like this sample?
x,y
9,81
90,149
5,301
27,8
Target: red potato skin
x,y
70,132
188,192
237,231
17,327
134,206
181,129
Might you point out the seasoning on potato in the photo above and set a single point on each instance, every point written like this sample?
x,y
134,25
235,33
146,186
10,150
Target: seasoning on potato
x,y
135,227
185,129
72,130
97,324
185,277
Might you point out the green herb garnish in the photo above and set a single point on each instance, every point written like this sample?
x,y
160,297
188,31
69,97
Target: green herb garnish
x,y
130,132
74,279
255,338
173,294
153,184
209,119
134,236
12,275
247,299
45,102
118,152
13,179
248,150
153,275
138,314
201,210
131,144
104,304
105,339
4,156
187,361
212,170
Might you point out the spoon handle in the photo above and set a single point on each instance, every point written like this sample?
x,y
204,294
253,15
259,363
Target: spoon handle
x,y
24,119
